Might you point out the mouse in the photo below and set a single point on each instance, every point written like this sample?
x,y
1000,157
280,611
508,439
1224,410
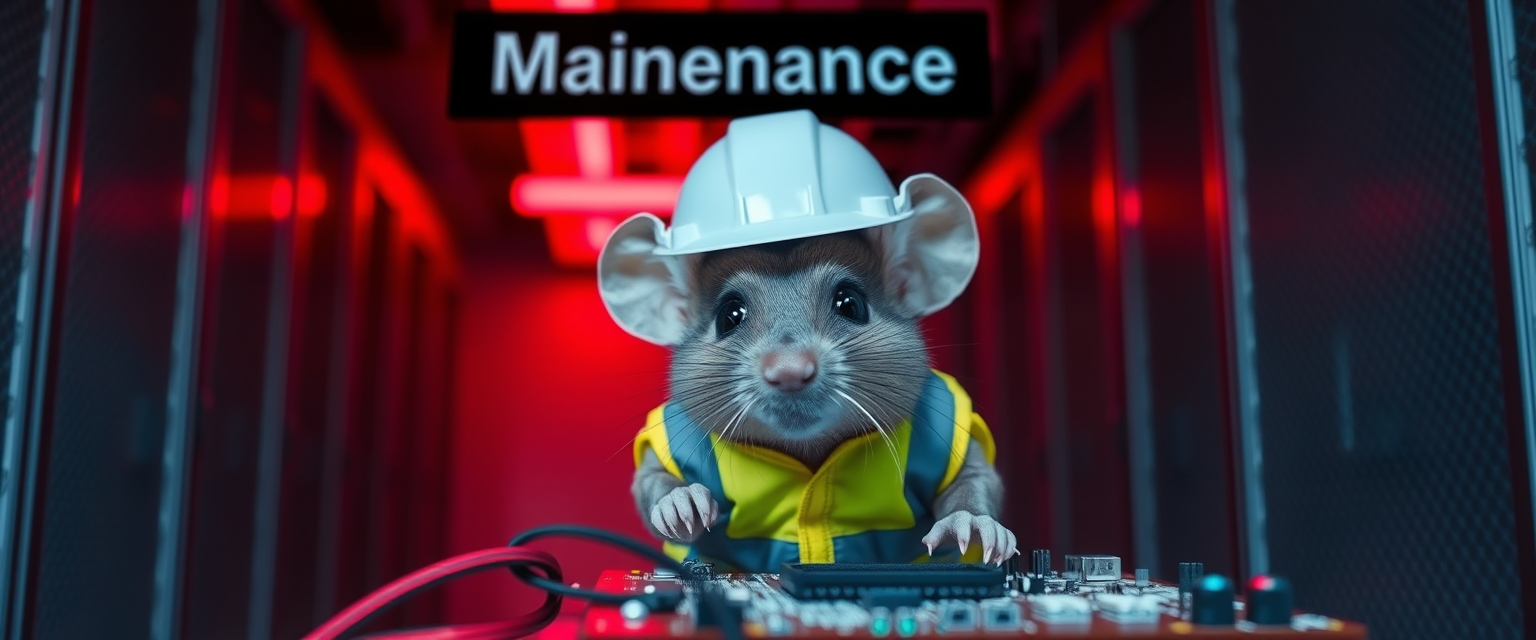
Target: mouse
x,y
804,420
796,348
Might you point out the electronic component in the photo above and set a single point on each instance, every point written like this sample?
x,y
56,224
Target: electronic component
x,y
1128,609
1189,574
1093,568
892,597
1269,601
1040,563
1141,579
1059,608
852,580
957,616
879,622
700,570
1212,601
1000,616
906,622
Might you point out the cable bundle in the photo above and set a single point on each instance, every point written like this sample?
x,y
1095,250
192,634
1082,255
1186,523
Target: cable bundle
x,y
537,568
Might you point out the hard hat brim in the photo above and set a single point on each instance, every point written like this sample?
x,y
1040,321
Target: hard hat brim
x,y
783,229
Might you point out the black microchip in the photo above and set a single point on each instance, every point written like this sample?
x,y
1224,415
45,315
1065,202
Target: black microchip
x,y
853,580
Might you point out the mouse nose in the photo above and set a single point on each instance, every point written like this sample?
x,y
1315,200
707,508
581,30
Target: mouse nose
x,y
789,370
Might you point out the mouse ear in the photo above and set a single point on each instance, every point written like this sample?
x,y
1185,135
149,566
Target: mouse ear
x,y
931,256
645,293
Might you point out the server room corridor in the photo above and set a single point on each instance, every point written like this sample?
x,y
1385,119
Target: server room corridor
x,y
1254,291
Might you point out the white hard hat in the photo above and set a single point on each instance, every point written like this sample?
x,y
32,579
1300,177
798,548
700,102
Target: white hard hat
x,y
779,177
786,176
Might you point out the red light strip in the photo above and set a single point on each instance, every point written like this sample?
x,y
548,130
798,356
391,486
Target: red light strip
x,y
594,146
538,195
265,196
576,166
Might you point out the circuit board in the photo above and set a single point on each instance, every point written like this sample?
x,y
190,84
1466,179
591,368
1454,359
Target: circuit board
x,y
1103,609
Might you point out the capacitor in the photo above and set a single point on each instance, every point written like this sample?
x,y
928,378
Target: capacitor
x,y
1189,574
1040,562
1212,601
1270,600
1142,578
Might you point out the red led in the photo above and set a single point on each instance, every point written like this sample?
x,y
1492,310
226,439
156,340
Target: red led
x,y
1261,583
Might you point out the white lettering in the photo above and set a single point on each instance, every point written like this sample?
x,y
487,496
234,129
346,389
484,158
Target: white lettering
x,y
545,68
540,64
735,57
850,59
696,62
798,77
933,70
666,79
585,75
616,66
888,85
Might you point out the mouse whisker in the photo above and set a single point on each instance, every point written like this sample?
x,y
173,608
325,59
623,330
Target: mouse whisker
x,y
877,391
704,430
725,435
889,443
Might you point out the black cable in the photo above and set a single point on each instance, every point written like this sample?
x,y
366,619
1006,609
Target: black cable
x,y
657,601
654,601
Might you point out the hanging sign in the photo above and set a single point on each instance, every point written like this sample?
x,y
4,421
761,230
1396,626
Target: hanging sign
x,y
877,64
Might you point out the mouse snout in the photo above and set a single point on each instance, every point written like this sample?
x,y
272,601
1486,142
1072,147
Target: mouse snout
x,y
789,369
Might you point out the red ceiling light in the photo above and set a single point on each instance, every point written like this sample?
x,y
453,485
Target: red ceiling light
x,y
535,195
265,196
594,146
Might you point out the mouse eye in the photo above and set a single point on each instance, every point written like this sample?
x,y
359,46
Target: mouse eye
x,y
731,313
849,303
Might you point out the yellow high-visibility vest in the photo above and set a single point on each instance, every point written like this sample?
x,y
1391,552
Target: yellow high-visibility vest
x,y
862,505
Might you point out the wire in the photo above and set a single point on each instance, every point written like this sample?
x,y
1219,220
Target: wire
x,y
540,570
355,617
708,599
659,601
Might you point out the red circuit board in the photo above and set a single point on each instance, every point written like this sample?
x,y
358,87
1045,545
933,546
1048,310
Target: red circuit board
x,y
604,622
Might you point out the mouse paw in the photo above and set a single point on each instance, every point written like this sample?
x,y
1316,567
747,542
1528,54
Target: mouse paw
x,y
685,513
963,527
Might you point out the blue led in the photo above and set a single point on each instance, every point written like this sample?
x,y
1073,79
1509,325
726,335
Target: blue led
x,y
1215,582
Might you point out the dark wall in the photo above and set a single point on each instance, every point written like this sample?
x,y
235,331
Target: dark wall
x,y
111,360
1382,411
199,441
242,252
1175,272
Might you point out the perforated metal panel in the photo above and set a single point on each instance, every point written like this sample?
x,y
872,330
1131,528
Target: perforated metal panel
x,y
1385,458
1525,47
21,35
96,555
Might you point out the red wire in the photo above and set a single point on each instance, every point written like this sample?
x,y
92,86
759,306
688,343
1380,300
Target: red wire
x,y
354,616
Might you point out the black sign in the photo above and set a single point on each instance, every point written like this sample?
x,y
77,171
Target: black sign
x,y
914,65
